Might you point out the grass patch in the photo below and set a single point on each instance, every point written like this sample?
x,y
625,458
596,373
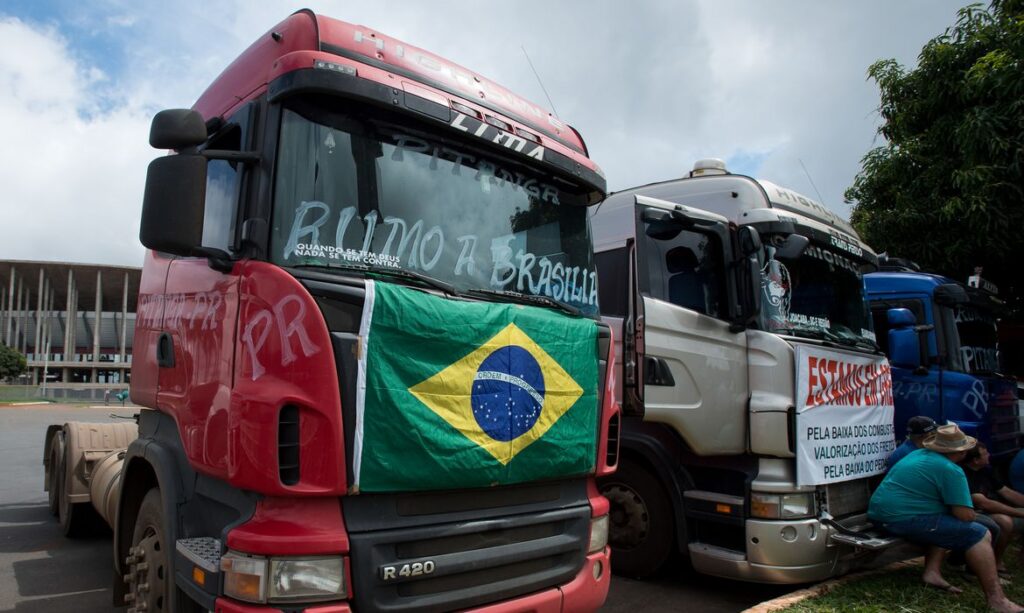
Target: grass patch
x,y
902,590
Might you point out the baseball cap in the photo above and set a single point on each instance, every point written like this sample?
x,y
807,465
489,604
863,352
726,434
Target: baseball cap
x,y
920,425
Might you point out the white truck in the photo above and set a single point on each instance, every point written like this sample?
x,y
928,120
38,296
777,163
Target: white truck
x,y
758,407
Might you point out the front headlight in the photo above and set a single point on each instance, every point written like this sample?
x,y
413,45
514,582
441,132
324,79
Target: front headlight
x,y
782,506
309,579
598,534
259,579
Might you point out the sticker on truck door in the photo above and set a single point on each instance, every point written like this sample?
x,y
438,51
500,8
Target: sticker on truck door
x,y
844,415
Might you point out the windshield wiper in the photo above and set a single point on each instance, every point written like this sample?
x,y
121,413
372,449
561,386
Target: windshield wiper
x,y
828,335
400,273
527,298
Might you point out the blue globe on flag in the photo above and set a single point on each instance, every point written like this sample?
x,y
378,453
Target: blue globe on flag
x,y
508,393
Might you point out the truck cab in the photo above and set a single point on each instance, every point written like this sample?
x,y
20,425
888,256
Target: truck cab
x,y
944,353
744,330
368,346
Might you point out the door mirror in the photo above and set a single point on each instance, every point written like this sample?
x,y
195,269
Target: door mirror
x,y
750,240
177,129
664,225
752,305
905,339
174,204
793,247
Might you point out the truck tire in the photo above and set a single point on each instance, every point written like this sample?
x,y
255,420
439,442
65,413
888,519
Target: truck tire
x,y
641,523
55,456
76,519
148,564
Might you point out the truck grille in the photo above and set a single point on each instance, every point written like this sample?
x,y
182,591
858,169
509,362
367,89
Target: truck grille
x,y
475,556
847,498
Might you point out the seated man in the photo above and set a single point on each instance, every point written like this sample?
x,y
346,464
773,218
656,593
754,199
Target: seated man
x,y
919,428
924,498
992,497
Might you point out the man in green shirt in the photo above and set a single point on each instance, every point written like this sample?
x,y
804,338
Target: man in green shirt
x,y
924,498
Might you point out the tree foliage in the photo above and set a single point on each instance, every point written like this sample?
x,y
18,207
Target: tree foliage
x,y
947,187
12,363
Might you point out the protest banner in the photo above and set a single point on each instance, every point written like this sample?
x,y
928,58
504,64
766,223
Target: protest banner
x,y
844,415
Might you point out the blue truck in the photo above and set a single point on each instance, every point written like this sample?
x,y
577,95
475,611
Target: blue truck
x,y
941,339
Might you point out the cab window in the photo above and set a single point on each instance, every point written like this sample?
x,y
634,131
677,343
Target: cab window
x,y
686,270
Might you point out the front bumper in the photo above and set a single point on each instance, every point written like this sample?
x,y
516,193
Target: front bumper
x,y
586,592
796,551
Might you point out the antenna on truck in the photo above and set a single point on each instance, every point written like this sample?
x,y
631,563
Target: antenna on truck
x,y
820,199
544,89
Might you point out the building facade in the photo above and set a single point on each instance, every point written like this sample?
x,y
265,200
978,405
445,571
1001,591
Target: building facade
x,y
73,322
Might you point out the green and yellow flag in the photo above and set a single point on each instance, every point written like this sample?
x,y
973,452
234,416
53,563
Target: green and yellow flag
x,y
456,394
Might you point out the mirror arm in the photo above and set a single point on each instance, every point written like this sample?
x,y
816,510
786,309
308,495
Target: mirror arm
x,y
246,157
219,260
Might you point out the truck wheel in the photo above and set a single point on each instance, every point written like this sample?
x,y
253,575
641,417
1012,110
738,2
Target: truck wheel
x,y
641,525
55,454
76,519
148,563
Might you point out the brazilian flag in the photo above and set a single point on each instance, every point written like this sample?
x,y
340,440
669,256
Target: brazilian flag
x,y
457,394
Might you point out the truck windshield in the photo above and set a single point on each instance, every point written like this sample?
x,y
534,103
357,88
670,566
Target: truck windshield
x,y
978,334
359,191
818,295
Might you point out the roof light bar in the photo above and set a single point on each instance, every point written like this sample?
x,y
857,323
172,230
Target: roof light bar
x,y
530,136
498,123
465,110
342,68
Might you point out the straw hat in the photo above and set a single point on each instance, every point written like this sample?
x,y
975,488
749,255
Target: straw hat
x,y
949,439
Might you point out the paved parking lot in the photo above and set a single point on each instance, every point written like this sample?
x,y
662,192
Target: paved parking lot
x,y
40,570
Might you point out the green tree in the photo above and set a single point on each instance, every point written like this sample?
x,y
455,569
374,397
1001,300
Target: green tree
x,y
12,363
947,187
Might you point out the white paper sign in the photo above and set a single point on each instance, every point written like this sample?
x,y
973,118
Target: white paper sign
x,y
844,415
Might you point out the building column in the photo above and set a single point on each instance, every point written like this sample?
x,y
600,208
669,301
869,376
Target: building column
x,y
10,310
16,337
47,333
69,319
3,313
122,349
96,325
39,314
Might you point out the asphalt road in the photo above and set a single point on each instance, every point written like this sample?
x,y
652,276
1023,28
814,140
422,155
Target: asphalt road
x,y
41,570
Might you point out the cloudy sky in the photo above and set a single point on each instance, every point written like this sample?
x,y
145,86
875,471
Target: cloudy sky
x,y
771,87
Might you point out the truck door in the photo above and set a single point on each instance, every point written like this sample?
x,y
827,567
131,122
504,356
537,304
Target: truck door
x,y
695,361
196,347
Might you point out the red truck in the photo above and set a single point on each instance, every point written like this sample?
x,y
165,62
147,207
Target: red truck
x,y
368,347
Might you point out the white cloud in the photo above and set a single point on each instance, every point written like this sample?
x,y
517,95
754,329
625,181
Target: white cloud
x,y
70,177
653,86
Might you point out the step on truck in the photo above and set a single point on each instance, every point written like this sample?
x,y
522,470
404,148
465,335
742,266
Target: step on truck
x,y
941,337
368,348
756,405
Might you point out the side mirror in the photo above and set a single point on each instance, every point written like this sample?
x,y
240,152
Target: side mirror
x,y
174,205
793,247
750,240
753,307
908,345
901,318
177,129
664,225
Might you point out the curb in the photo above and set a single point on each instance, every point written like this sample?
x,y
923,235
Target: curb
x,y
792,598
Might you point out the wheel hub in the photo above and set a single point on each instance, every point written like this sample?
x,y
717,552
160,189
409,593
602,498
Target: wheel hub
x,y
146,575
630,520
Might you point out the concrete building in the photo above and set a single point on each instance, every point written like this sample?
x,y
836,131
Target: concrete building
x,y
74,323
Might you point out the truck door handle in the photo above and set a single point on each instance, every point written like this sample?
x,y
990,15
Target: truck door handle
x,y
165,351
657,372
